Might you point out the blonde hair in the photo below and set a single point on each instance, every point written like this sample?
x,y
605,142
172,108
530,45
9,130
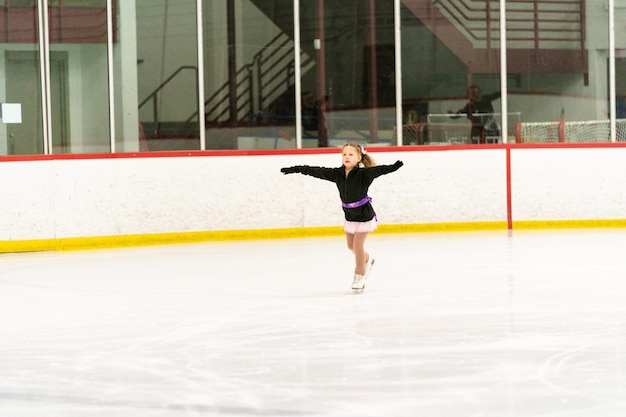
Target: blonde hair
x,y
366,159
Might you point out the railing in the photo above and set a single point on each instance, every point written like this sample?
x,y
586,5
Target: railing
x,y
452,128
154,95
216,106
531,24
258,84
275,79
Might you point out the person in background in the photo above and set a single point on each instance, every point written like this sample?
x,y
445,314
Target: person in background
x,y
310,112
479,111
353,178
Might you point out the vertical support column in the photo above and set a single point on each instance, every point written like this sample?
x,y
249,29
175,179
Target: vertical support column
x,y
322,134
297,71
398,68
200,74
504,128
44,69
110,75
232,61
612,106
129,136
373,78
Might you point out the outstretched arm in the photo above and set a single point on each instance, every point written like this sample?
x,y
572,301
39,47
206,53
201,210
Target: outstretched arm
x,y
291,170
329,174
458,113
379,170
493,96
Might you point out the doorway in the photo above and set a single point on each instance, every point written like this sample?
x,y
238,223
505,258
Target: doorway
x,y
24,86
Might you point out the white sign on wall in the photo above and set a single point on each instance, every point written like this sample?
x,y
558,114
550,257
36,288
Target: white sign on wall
x,y
11,112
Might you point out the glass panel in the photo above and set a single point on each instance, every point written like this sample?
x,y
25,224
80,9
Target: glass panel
x,y
129,135
80,102
20,70
550,84
167,73
352,82
78,3
22,3
249,86
620,72
450,73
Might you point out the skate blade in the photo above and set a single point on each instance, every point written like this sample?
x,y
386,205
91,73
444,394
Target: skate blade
x,y
370,268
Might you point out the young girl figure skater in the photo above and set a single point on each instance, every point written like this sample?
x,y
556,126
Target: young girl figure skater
x,y
353,178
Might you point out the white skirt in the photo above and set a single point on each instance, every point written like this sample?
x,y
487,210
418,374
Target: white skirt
x,y
359,227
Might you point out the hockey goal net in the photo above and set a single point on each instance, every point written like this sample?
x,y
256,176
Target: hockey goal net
x,y
413,133
569,131
426,133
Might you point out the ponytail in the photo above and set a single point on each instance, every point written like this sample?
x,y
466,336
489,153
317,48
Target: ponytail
x,y
367,160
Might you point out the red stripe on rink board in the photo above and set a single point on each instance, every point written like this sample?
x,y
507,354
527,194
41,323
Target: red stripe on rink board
x,y
509,205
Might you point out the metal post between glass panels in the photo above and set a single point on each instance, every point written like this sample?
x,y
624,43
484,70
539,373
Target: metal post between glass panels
x,y
110,77
44,66
504,128
200,75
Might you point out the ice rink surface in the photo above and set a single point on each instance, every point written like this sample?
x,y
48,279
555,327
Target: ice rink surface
x,y
450,324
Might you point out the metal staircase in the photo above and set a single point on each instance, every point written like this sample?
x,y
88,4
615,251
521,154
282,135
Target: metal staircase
x,y
543,36
258,83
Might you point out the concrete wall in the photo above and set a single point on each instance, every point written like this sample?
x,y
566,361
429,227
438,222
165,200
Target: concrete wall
x,y
467,187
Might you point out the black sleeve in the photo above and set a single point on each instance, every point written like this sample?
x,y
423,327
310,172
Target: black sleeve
x,y
290,170
328,174
493,96
378,170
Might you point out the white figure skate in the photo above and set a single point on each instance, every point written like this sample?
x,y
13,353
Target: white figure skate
x,y
358,284
369,265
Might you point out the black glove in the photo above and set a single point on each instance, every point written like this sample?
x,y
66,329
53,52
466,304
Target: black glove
x,y
290,170
398,164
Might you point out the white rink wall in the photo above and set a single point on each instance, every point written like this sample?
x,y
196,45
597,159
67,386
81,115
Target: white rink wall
x,y
113,196
587,183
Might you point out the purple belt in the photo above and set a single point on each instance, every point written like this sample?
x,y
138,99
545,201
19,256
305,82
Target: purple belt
x,y
359,203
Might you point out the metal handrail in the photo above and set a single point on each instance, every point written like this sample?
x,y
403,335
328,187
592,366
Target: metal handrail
x,y
153,96
477,20
268,75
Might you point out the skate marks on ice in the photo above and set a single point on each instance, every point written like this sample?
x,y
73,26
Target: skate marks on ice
x,y
451,324
55,405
